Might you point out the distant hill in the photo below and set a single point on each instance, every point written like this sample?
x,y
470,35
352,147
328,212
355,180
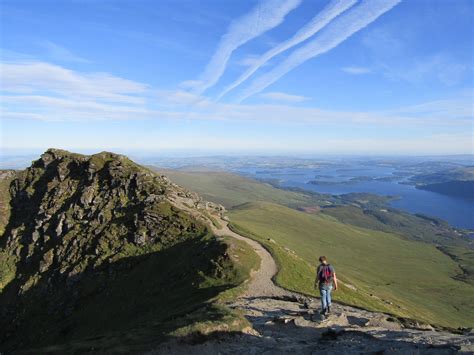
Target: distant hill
x,y
457,182
455,174
453,188
96,255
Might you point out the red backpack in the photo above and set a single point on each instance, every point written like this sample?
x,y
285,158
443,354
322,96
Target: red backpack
x,y
325,274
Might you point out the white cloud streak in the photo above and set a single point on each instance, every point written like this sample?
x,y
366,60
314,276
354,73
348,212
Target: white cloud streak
x,y
266,15
356,70
332,10
40,77
283,97
334,34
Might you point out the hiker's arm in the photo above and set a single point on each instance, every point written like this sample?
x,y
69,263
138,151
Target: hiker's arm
x,y
335,282
316,279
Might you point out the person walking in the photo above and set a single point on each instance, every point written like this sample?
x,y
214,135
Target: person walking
x,y
325,280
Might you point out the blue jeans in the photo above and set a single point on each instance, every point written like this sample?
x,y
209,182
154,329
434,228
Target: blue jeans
x,y
325,292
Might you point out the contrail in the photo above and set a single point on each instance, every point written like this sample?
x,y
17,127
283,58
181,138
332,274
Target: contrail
x,y
266,15
335,33
333,9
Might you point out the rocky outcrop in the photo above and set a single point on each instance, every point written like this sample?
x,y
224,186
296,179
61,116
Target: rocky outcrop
x,y
72,212
282,325
77,223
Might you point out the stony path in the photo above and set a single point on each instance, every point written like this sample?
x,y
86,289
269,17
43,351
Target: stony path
x,y
261,283
285,322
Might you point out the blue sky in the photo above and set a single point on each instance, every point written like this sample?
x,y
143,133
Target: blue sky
x,y
269,76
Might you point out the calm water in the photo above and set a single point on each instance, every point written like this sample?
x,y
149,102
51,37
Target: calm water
x,y
458,212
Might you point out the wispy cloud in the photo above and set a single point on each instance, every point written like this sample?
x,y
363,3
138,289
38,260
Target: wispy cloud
x,y
40,78
60,53
398,59
248,60
42,91
283,97
335,33
438,67
49,108
332,10
356,70
449,109
266,15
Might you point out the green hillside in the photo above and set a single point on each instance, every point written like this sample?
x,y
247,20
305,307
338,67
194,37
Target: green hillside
x,y
232,190
407,225
414,279
359,209
387,239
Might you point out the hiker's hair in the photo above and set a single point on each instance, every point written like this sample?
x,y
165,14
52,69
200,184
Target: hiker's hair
x,y
322,258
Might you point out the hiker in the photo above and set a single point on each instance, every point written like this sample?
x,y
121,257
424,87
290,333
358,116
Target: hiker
x,y
325,279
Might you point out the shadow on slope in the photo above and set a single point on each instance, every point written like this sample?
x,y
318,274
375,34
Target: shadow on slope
x,y
130,304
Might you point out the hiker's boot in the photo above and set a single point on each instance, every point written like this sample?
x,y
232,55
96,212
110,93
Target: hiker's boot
x,y
328,310
323,311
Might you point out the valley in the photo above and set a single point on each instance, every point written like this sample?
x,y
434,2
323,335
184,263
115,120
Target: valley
x,y
358,232
400,180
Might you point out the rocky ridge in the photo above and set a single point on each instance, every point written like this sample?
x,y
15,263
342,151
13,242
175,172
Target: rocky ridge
x,y
76,223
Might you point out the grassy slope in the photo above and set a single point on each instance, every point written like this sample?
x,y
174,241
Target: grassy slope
x,y
408,225
232,190
4,200
415,276
465,258
297,273
7,262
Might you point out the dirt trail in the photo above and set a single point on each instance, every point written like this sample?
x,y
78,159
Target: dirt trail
x,y
286,322
261,283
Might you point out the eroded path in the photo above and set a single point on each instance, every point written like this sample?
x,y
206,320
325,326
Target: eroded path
x,y
286,322
261,284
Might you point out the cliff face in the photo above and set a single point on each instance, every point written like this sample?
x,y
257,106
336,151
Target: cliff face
x,y
85,231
